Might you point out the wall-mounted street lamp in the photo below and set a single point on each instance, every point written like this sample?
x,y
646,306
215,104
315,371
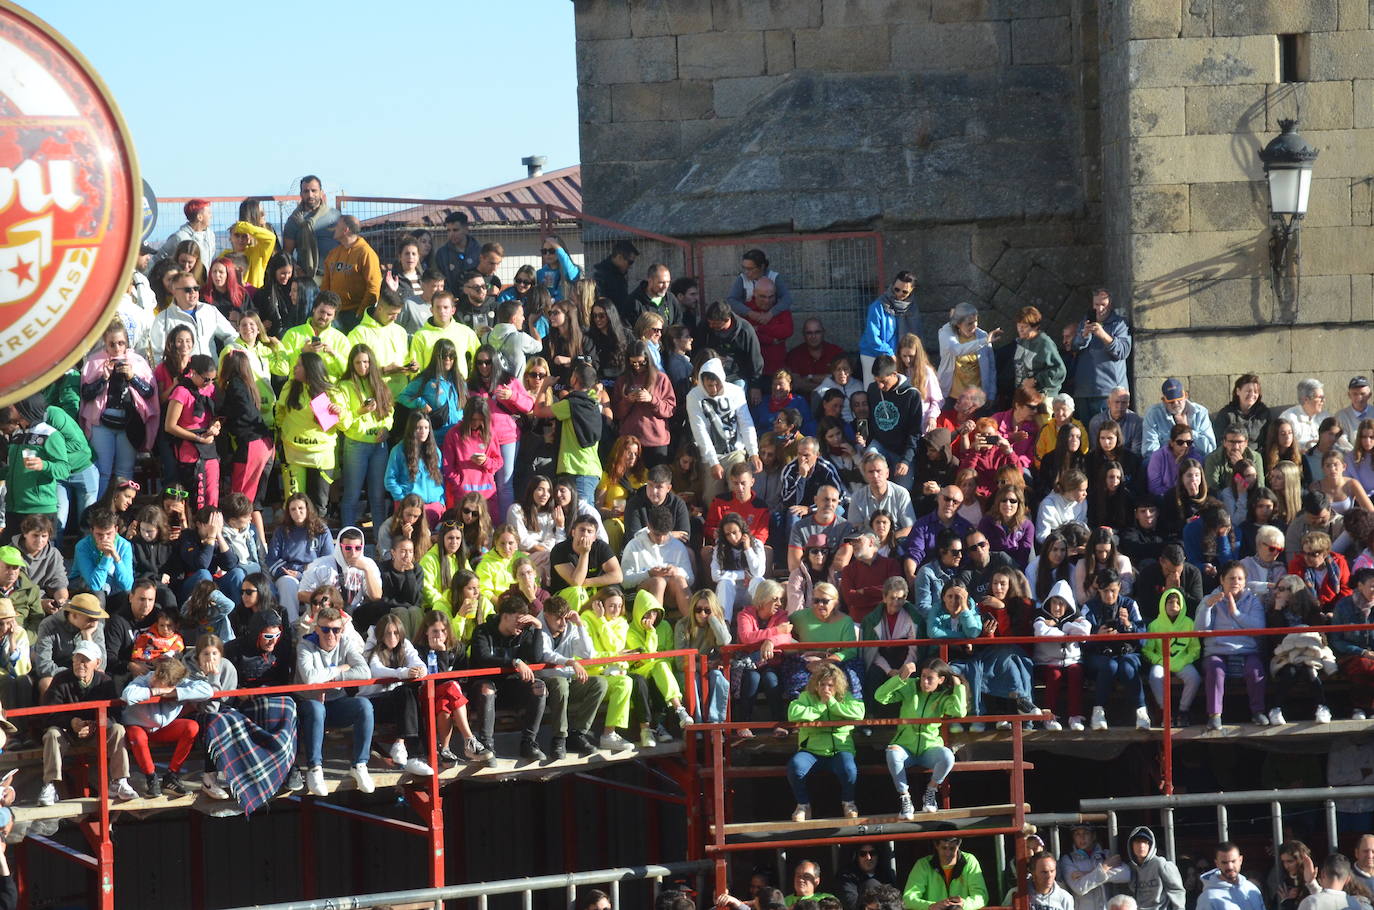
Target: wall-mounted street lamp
x,y
1288,163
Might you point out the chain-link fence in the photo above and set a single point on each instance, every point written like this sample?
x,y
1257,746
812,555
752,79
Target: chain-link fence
x,y
224,212
832,277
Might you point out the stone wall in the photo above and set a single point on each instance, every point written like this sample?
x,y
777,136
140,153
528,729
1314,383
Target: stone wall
x,y
966,130
1193,91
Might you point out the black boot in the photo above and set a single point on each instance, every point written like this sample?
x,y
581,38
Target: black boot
x,y
152,786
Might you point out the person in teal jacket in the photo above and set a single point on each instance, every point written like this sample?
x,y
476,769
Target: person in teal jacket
x,y
38,462
949,872
417,446
826,697
1183,654
439,391
935,691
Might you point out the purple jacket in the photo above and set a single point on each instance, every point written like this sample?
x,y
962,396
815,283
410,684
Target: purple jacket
x,y
1017,544
920,543
1162,471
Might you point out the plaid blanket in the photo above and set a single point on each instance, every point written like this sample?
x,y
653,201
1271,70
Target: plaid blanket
x,y
253,746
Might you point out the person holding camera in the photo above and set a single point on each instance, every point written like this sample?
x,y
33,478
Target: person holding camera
x,y
1099,347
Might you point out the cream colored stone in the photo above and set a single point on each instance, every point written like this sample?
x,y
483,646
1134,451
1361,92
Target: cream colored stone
x,y
1159,208
1225,109
1193,159
1316,105
1203,61
1329,204
1274,17
1341,55
1154,18
1337,250
1157,111
1235,206
1167,262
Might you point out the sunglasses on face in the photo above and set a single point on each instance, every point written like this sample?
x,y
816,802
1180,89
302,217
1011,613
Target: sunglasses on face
x,y
320,602
330,630
351,547
702,610
523,283
189,289
269,636
472,512
549,252
253,591
175,493
483,363
822,601
535,374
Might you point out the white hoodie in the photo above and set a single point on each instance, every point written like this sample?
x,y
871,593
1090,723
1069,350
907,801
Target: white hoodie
x,y
1060,654
642,554
722,424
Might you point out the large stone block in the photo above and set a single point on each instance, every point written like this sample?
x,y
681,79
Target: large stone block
x,y
696,133
1361,202
593,103
1362,298
1225,109
1230,302
1337,250
1197,19
1159,208
1046,40
1164,264
1354,15
1340,55
620,60
1204,61
977,10
1188,355
594,19
778,50
1324,298
1156,111
1363,103
1343,153
875,12
713,55
954,46
734,96
1329,204
1154,18
1234,206
666,17
632,101
1318,105
1318,348
1274,17
739,15
636,141
1192,159
1212,391
859,48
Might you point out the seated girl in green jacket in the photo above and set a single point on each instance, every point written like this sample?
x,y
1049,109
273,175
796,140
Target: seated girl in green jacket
x,y
826,697
1183,655
935,691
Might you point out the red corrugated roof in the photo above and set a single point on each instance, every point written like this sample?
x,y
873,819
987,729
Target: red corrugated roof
x,y
562,187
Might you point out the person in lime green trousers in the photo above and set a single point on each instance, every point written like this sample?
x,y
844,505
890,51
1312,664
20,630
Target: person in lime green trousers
x,y
650,632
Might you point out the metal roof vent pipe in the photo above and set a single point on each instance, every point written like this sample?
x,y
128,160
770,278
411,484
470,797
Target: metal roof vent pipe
x,y
534,164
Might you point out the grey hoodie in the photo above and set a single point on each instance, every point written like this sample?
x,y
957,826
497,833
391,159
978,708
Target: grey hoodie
x,y
1154,882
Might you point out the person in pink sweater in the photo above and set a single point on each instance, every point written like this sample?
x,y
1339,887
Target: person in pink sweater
x,y
643,400
764,623
472,457
508,400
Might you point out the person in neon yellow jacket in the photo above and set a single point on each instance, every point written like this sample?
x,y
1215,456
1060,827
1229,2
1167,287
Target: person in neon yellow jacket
x,y
604,618
332,345
825,698
468,606
933,690
368,410
444,560
254,341
496,568
948,873
1184,654
650,632
308,447
442,325
379,330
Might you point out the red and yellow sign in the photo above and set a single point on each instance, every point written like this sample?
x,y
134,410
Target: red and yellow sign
x,y
70,200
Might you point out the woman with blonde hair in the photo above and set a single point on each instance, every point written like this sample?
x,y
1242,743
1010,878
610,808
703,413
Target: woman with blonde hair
x,y
704,628
826,697
914,364
1285,479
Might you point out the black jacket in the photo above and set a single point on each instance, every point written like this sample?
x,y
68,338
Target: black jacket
x,y
637,512
401,589
241,418
65,690
612,283
1149,586
492,649
262,668
896,420
738,347
639,303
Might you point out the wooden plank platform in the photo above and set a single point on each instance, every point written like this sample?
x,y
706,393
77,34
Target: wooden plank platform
x,y
960,813
338,780
963,818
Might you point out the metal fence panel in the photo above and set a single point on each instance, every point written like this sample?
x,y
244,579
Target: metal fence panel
x,y
224,211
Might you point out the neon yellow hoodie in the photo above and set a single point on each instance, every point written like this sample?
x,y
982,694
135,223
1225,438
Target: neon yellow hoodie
x,y
463,338
1182,651
608,638
390,347
435,591
356,425
494,572
306,445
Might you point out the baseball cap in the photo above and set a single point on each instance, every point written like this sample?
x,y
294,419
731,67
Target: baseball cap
x,y
11,556
1359,382
817,542
146,249
1172,389
88,649
859,535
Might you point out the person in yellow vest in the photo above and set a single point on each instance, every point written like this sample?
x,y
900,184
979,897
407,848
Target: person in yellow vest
x,y
367,412
317,336
353,271
388,341
442,325
308,447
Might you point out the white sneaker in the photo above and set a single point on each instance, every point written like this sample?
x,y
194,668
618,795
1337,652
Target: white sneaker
x,y
1357,714
1214,722
849,810
418,768
930,800
1276,717
1053,725
1099,721
1142,718
683,718
314,782
364,780
612,741
1003,725
646,738
1323,715
123,791
802,812
1076,723
48,795
398,752
662,735
905,810
1260,720
209,785
977,727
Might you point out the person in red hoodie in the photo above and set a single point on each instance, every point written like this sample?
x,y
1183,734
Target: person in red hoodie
x,y
741,500
861,582
774,332
1326,572
472,456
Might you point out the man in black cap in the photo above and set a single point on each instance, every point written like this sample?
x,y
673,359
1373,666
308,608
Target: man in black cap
x,y
1360,409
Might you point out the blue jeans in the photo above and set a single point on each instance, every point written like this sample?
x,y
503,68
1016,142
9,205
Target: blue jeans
x,y
505,492
712,709
114,455
363,461
750,684
841,764
586,487
939,760
1123,668
75,493
316,716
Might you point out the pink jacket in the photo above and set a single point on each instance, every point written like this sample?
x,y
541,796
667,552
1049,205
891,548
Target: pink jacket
x,y
504,429
648,421
461,474
149,409
747,624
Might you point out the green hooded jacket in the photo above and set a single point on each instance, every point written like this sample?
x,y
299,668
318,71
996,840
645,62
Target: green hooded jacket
x,y
1182,651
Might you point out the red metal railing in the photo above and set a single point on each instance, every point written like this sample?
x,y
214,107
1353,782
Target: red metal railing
x,y
424,797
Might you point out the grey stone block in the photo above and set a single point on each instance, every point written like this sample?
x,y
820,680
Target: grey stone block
x,y
669,17
955,46
1224,109
874,12
834,49
1041,41
741,15
1157,209
596,19
712,55
1235,206
779,52
627,60
1274,17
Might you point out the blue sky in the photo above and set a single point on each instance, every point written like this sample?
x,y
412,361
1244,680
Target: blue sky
x,y
213,94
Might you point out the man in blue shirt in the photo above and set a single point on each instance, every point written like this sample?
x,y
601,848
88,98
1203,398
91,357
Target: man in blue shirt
x,y
1099,346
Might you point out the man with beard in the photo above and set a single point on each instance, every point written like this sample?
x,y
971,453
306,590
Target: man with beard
x,y
308,237
889,318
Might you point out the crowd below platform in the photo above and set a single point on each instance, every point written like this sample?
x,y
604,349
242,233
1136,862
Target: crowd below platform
x,y
290,461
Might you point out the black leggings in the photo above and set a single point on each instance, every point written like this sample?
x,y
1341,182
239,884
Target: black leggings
x,y
399,706
1288,678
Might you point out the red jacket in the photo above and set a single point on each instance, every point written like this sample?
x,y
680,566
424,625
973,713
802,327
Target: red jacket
x,y
861,586
754,513
773,337
1330,584
801,361
986,462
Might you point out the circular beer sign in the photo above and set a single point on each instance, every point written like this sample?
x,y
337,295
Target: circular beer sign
x,y
70,205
